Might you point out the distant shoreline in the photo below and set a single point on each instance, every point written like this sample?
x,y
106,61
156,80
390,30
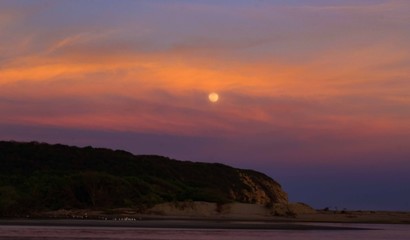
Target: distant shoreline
x,y
177,224
203,215
235,212
321,220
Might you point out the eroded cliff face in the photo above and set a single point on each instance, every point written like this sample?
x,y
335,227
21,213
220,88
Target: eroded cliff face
x,y
259,189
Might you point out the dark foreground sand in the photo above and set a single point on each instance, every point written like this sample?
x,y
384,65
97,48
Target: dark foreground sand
x,y
178,224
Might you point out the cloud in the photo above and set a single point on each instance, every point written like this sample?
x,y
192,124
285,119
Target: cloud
x,y
308,90
312,74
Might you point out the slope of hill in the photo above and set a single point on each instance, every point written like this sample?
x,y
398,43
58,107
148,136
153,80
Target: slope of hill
x,y
38,177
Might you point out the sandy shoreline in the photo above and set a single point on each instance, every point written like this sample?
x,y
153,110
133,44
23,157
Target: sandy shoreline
x,y
178,224
202,211
204,215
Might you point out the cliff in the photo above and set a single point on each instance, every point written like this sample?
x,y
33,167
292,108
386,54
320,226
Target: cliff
x,y
39,177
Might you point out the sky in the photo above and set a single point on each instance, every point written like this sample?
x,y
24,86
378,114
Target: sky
x,y
313,93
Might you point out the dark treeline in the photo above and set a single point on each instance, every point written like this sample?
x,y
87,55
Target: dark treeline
x,y
37,177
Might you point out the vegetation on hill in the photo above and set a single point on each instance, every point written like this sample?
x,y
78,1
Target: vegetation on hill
x,y
37,177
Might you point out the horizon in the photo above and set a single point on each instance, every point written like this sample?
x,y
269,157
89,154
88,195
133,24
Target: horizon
x,y
315,94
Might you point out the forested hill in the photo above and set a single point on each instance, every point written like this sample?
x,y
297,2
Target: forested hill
x,y
38,176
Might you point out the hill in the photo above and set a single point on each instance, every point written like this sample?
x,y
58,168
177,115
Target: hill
x,y
40,177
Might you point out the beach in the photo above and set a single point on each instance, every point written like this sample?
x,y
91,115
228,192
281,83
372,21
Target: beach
x,y
204,215
176,224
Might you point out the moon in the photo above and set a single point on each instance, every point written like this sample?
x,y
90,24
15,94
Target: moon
x,y
213,97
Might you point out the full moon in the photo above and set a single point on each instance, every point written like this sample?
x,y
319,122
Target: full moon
x,y
213,97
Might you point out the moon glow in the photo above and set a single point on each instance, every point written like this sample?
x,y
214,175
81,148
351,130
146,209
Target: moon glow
x,y
213,97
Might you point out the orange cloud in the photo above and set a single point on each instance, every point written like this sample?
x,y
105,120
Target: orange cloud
x,y
295,80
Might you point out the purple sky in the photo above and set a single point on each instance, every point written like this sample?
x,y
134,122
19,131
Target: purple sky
x,y
316,94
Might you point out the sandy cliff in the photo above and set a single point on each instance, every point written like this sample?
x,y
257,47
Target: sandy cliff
x,y
259,189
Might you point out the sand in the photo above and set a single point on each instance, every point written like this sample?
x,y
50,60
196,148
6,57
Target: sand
x,y
381,217
210,215
298,213
177,224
